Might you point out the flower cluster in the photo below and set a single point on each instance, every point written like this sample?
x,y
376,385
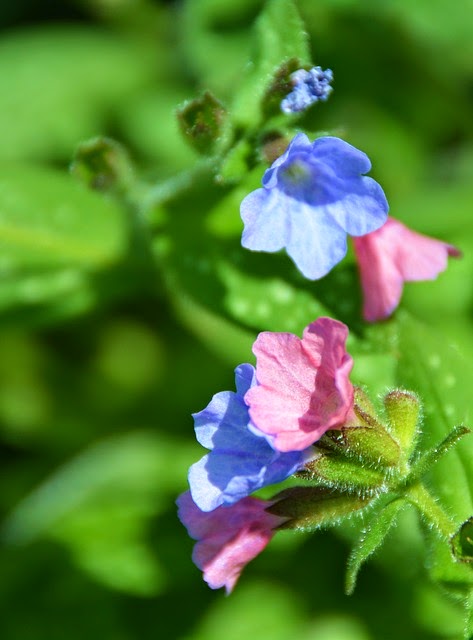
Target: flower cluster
x,y
312,197
309,87
260,435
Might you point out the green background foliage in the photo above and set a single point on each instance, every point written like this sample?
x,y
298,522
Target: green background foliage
x,y
123,310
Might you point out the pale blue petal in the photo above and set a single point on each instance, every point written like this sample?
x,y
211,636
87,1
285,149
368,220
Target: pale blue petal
x,y
224,476
206,495
226,409
343,158
264,216
316,243
369,199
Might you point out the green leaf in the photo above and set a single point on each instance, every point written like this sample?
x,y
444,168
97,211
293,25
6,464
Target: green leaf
x,y
65,88
242,615
432,365
374,533
454,577
280,37
429,459
469,617
46,220
268,303
223,220
99,505
215,40
148,120
235,165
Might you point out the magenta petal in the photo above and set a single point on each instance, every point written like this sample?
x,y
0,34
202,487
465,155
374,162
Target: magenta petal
x,y
303,385
228,537
391,256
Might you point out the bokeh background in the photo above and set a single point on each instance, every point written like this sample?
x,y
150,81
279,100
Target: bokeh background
x,y
100,365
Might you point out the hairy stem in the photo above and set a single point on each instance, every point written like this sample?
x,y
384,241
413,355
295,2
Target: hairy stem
x,y
431,510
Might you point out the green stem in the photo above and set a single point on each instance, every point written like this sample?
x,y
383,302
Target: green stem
x,y
431,510
155,195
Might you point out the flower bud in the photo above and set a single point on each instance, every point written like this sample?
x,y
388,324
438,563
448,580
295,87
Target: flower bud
x,y
403,411
203,122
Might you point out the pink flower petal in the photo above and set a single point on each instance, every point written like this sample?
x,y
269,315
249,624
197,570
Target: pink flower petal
x,y
391,256
228,537
303,385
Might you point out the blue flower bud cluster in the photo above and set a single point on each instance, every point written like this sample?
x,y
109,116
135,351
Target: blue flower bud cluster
x,y
309,87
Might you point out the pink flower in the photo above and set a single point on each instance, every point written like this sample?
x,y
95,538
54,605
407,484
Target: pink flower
x,y
228,537
303,385
391,256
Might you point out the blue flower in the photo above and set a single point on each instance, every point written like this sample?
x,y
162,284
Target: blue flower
x,y
241,459
309,87
312,197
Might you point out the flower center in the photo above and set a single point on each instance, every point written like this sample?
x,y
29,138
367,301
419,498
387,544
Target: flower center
x,y
296,173
296,178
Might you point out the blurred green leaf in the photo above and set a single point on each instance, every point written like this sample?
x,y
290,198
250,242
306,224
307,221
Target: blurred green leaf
x,y
100,504
215,40
148,120
244,617
223,220
63,84
47,220
268,303
447,29
55,237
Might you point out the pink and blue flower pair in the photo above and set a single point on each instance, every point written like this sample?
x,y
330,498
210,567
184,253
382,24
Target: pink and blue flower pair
x,y
259,436
316,194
